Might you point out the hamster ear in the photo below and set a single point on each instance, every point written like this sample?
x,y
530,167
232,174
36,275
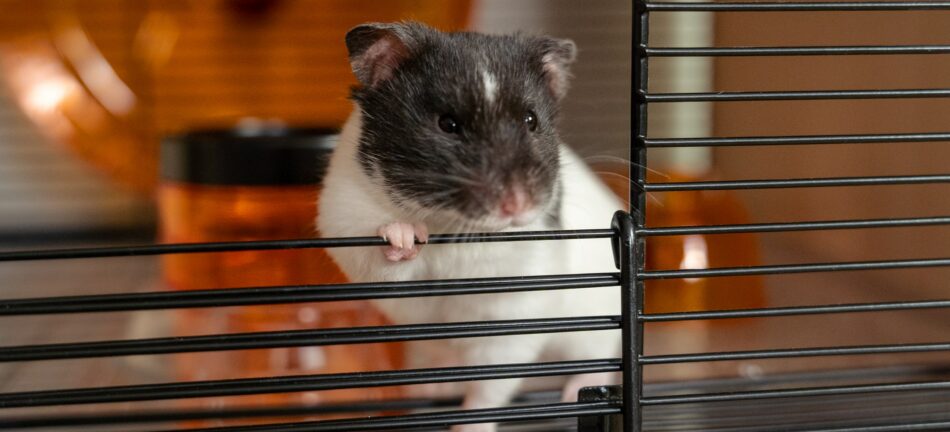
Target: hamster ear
x,y
556,58
376,50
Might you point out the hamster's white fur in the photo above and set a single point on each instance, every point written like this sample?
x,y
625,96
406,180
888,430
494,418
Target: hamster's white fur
x,y
352,205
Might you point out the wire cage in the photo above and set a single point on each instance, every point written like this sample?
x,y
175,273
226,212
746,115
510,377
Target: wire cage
x,y
901,398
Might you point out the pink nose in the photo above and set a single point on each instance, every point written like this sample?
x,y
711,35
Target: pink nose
x,y
514,202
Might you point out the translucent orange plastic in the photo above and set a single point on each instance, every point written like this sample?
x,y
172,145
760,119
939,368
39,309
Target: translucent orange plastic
x,y
110,78
698,251
198,213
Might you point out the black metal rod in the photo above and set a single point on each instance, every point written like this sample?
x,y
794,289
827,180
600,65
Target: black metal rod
x,y
298,294
632,334
794,51
796,183
795,310
179,248
794,226
320,337
630,249
444,419
802,392
792,353
795,268
244,412
902,427
300,383
796,95
795,140
796,6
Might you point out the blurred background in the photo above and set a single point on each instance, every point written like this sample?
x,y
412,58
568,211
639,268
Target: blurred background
x,y
111,110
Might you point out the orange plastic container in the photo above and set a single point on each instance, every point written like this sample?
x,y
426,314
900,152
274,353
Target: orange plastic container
x,y
694,251
258,185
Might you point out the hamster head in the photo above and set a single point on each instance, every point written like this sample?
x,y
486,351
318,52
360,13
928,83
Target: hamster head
x,y
461,127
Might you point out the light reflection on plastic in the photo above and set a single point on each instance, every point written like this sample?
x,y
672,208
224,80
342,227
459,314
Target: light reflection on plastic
x,y
47,96
695,255
44,90
94,70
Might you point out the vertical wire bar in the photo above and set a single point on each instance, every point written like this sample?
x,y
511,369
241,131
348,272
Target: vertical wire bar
x,y
631,247
632,328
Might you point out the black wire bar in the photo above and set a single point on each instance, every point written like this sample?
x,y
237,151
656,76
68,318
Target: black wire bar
x,y
298,294
794,140
319,337
903,427
729,412
797,352
794,6
796,183
794,51
794,268
250,412
445,418
123,251
796,95
244,412
798,392
794,226
795,310
300,383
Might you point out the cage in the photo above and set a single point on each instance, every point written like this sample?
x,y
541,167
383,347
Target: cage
x,y
805,382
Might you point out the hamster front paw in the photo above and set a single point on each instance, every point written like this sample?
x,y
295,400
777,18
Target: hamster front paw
x,y
402,240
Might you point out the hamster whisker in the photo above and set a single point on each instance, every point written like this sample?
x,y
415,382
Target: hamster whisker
x,y
626,201
625,161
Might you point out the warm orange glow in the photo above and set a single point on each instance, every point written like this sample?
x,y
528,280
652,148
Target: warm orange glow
x,y
694,251
199,213
44,88
92,67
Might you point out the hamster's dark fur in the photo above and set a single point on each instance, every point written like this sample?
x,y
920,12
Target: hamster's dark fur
x,y
457,132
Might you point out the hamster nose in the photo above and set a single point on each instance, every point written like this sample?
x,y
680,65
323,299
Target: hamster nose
x,y
514,202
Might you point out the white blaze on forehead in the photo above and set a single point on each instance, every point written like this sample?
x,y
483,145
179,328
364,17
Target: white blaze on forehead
x,y
490,85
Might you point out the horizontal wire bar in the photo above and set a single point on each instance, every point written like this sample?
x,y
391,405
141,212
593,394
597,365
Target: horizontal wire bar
x,y
795,310
161,249
799,392
445,418
792,353
794,51
299,294
796,183
319,337
902,427
795,95
794,226
794,268
248,412
795,140
283,384
796,6
243,412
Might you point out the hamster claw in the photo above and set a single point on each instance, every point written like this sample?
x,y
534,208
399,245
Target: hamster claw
x,y
402,240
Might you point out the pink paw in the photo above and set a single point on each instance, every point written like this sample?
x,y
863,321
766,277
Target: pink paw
x,y
402,240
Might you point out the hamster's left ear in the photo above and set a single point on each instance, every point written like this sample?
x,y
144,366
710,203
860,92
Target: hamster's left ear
x,y
377,49
556,58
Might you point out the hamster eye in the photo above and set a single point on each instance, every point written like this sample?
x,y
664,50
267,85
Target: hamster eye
x,y
448,124
531,119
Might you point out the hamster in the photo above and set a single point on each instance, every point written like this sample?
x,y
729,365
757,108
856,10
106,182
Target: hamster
x,y
457,133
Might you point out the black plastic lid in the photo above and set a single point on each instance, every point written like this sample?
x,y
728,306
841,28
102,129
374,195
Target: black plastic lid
x,y
269,156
